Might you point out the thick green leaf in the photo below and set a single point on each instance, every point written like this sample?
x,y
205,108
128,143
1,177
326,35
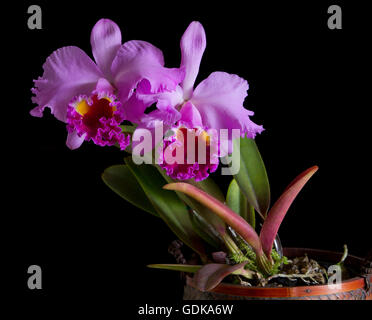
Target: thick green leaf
x,y
204,230
177,267
201,226
121,180
169,207
252,177
237,202
208,187
220,209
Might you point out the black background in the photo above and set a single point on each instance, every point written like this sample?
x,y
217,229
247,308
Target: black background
x,y
309,87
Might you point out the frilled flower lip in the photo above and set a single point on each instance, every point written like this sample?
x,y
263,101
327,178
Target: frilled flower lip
x,y
69,72
96,117
182,160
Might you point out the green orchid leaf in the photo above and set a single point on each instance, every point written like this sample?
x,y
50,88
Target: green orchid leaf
x,y
204,230
121,180
169,207
280,208
252,177
237,202
176,267
209,186
224,212
214,221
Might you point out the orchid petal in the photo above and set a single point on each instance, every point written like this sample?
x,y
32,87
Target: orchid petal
x,y
106,41
104,86
138,60
134,109
74,141
190,116
68,72
167,117
219,99
156,121
193,43
166,101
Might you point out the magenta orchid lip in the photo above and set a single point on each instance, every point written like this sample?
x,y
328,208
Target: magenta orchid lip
x,y
189,154
97,118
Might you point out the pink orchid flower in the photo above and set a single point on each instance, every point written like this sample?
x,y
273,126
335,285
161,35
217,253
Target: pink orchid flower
x,y
216,103
90,96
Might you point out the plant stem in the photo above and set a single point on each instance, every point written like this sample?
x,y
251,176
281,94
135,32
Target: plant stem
x,y
231,245
264,264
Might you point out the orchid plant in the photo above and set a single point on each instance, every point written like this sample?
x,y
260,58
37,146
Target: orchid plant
x,y
106,101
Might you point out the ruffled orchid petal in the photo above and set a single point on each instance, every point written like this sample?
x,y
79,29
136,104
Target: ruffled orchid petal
x,y
68,72
74,141
160,119
104,86
219,99
164,99
190,116
134,109
168,116
170,99
193,43
139,101
106,41
138,60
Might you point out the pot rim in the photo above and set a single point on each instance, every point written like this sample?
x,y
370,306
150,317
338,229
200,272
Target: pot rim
x,y
299,291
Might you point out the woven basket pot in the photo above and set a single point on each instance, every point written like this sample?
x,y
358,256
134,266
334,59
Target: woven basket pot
x,y
356,288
